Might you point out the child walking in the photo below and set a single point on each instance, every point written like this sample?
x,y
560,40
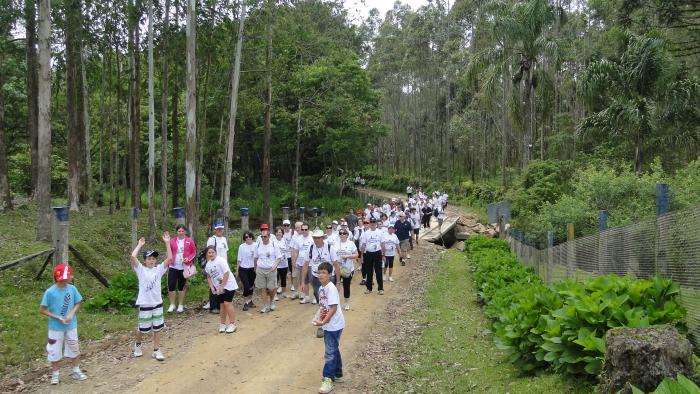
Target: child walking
x,y
60,303
223,284
149,300
331,318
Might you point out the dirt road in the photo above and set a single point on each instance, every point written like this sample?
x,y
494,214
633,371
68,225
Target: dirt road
x,y
271,353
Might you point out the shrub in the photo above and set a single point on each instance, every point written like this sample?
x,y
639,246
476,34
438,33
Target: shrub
x,y
121,293
680,385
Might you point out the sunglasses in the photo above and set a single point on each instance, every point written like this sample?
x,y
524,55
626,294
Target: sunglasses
x,y
342,233
304,229
247,237
287,225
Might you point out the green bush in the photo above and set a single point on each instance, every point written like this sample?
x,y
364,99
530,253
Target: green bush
x,y
563,325
121,293
680,385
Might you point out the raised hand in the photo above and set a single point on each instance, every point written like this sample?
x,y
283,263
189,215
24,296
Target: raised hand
x,y
142,241
166,237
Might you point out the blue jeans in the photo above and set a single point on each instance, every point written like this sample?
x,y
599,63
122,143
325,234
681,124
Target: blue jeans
x,y
333,366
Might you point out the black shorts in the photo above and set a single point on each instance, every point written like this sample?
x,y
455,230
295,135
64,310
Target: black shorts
x,y
176,279
227,296
416,230
389,261
282,276
248,278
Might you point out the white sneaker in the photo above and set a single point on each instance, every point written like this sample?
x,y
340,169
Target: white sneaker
x,y
303,300
158,355
264,309
78,375
231,328
55,377
222,328
273,306
276,298
293,289
391,279
347,307
206,306
138,352
180,308
171,308
313,301
279,290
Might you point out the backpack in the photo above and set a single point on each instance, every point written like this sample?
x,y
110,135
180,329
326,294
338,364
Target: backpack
x,y
311,249
202,256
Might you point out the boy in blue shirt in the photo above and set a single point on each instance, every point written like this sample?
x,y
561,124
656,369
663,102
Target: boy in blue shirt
x,y
60,303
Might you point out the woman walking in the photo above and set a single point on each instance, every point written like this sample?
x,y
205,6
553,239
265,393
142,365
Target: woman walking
x,y
184,251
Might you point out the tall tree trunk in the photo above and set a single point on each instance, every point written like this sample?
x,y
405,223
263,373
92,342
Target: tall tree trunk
x,y
43,182
191,110
5,192
135,99
164,120
104,119
117,167
297,157
151,132
527,113
266,213
32,89
74,123
175,128
112,137
86,174
202,137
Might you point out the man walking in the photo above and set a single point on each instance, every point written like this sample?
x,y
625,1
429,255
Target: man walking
x,y
403,229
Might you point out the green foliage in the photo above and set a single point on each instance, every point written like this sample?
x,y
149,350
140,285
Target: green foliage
x,y
121,293
680,385
563,325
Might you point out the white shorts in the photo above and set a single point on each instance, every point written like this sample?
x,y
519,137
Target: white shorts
x,y
55,345
151,318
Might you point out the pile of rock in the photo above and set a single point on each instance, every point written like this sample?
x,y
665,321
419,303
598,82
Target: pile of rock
x,y
468,226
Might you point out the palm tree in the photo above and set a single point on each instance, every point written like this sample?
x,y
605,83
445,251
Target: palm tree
x,y
635,96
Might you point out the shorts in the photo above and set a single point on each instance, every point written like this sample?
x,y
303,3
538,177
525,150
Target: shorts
x,y
226,296
389,261
176,279
248,279
416,230
282,276
265,279
55,345
296,271
151,318
404,245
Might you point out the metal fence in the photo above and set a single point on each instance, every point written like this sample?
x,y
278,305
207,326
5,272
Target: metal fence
x,y
668,245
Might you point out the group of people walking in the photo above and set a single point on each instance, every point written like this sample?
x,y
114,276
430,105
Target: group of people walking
x,y
288,262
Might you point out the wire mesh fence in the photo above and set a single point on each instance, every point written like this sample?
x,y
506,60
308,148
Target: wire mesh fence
x,y
668,245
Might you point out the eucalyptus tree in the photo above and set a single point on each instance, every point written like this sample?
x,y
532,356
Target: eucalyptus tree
x,y
43,186
191,117
151,132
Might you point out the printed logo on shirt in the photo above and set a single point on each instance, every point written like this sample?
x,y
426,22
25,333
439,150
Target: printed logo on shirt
x,y
66,303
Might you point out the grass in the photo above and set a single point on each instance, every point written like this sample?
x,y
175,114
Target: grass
x,y
455,351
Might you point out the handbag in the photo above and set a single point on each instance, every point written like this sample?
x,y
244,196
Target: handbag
x,y
189,271
345,272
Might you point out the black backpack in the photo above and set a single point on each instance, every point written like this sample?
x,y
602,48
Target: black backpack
x,y
202,256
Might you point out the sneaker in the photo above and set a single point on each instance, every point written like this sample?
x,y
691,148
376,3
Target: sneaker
x,y
206,306
273,306
138,352
245,306
339,379
368,291
222,328
326,386
264,309
347,307
294,296
158,355
313,301
381,292
362,282
293,289
214,311
391,279
279,290
276,298
319,332
408,257
403,262
171,308
231,328
251,304
180,308
304,300
78,375
55,377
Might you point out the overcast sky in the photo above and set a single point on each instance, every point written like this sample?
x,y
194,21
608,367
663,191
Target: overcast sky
x,y
360,8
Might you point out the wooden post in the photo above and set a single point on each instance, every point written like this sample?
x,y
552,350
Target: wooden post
x,y
60,235
302,212
550,257
179,215
315,211
662,207
602,240
285,213
134,226
244,220
570,251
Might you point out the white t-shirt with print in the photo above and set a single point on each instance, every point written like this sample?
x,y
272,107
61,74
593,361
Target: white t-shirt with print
x,y
221,245
372,239
391,242
216,269
285,251
345,249
268,255
180,255
302,244
327,297
149,284
246,253
318,255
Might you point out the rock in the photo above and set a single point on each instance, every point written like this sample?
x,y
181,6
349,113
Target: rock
x,y
459,245
643,357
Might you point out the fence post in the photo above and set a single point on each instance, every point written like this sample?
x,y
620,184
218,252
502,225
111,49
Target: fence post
x,y
244,220
179,215
570,251
662,206
302,212
134,226
550,257
285,213
602,239
60,235
315,211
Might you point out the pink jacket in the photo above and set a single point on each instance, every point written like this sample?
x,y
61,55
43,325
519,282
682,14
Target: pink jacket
x,y
189,253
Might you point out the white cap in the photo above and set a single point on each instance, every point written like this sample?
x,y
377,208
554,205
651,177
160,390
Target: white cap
x,y
402,213
285,221
335,222
318,233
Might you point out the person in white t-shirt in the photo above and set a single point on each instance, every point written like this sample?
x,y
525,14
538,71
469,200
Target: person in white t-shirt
x,y
330,317
246,269
347,253
331,236
415,222
300,248
283,267
149,299
223,284
267,258
219,241
390,243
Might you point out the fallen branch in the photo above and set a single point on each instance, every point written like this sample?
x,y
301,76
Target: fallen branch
x,y
20,260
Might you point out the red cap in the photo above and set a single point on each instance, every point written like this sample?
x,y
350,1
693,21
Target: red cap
x,y
264,226
360,212
366,221
62,271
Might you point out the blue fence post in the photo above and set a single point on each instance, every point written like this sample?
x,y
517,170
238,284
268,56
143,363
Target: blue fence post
x,y
550,257
285,213
602,220
179,213
302,213
60,234
662,199
244,220
662,208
